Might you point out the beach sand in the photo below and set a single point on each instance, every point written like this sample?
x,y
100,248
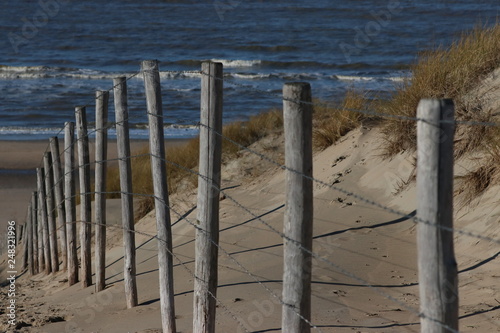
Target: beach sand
x,y
368,282
18,163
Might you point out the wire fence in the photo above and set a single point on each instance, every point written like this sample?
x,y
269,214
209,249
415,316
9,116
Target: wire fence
x,y
185,216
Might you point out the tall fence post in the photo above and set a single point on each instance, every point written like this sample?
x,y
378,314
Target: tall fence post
x,y
47,263
438,282
49,193
85,196
59,197
27,241
298,221
207,233
101,153
34,231
70,200
124,165
159,171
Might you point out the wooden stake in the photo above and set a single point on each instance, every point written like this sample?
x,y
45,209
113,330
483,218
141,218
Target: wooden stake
x,y
34,232
298,222
85,196
101,153
436,259
49,193
69,200
207,236
159,172
59,197
124,165
44,219
27,240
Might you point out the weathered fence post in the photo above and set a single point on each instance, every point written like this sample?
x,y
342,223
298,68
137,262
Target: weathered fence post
x,y
101,153
27,241
34,231
85,196
298,221
49,193
159,172
59,194
44,220
124,165
40,227
70,200
207,233
436,260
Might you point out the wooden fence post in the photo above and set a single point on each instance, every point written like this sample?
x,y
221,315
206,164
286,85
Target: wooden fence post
x,y
436,260
85,196
44,219
59,196
298,221
27,241
124,165
70,200
101,153
40,227
159,172
34,231
49,194
207,235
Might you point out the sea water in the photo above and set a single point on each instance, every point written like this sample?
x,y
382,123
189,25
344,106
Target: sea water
x,y
56,53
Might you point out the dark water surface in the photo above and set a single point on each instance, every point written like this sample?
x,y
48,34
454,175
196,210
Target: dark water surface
x,y
56,53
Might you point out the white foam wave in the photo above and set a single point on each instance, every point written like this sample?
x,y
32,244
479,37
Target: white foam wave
x,y
354,78
249,76
395,79
237,63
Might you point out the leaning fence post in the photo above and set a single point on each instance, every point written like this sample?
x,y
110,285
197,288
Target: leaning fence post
x,y
85,196
436,260
70,200
59,194
49,193
45,223
159,171
207,233
298,221
101,152
124,165
34,231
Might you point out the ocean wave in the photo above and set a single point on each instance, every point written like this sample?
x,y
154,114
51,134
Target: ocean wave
x,y
237,63
44,72
367,78
354,78
249,76
136,131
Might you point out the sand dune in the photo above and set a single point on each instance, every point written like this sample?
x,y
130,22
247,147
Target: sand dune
x,y
356,238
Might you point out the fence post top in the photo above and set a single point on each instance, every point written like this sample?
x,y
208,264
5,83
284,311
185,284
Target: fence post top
x,y
298,84
119,79
149,65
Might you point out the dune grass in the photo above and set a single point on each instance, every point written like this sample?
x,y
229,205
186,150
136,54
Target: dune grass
x,y
445,73
453,72
333,121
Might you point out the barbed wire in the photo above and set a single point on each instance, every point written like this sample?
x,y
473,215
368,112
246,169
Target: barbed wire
x,y
352,194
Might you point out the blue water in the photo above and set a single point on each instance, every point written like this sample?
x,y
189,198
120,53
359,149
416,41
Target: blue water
x,y
56,53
